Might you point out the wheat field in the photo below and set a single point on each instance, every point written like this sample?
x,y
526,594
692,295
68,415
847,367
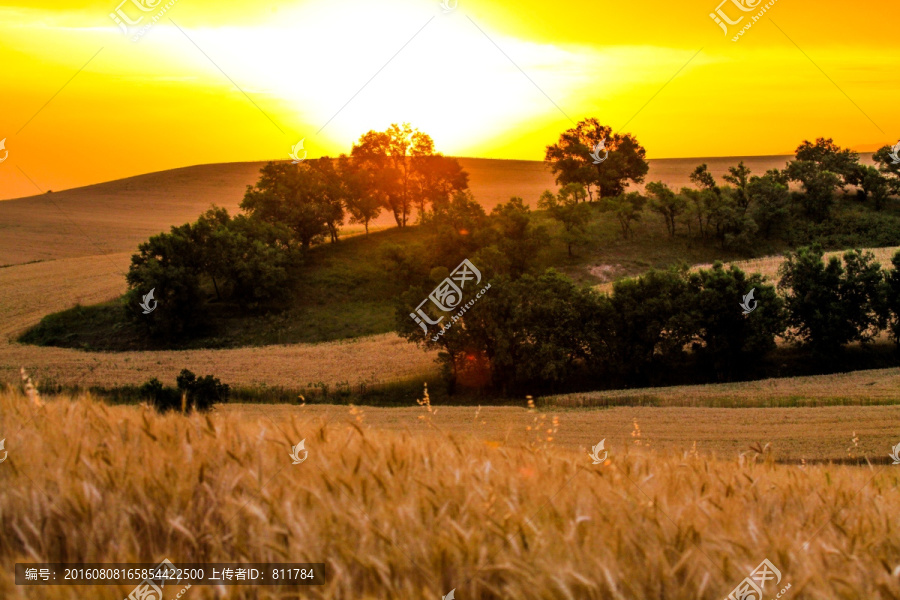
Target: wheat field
x,y
418,513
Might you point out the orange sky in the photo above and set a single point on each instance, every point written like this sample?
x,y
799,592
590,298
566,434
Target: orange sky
x,y
247,80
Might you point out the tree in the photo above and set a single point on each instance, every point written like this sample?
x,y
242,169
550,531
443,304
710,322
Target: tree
x,y
728,341
888,161
832,304
770,201
872,183
409,173
570,159
650,327
818,188
362,199
667,203
702,178
891,295
738,176
565,208
436,179
333,193
822,168
296,196
627,208
828,156
519,239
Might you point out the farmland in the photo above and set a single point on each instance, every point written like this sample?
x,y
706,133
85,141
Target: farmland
x,y
422,506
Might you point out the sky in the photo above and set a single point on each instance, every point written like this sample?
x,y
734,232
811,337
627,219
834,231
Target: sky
x,y
82,102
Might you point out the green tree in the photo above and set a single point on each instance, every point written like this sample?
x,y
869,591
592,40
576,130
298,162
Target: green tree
x,y
667,203
570,159
891,295
651,325
818,188
519,239
831,304
565,208
770,200
829,157
729,342
362,198
739,177
702,178
294,196
627,208
888,160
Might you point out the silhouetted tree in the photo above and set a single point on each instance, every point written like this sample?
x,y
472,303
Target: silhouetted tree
x,y
571,162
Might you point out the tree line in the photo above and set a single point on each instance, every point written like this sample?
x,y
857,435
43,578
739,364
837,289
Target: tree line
x,y
734,214
540,332
253,260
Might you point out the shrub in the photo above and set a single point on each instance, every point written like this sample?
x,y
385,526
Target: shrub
x,y
728,341
832,304
202,392
162,398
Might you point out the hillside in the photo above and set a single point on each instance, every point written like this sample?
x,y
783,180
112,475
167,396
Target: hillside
x,y
116,216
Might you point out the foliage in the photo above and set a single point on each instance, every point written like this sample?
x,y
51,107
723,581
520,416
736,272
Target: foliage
x,y
407,171
627,208
667,203
771,203
572,214
729,341
832,304
202,392
571,162
242,260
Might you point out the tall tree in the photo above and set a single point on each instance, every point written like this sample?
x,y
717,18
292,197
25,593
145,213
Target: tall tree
x,y
667,203
409,173
294,196
571,161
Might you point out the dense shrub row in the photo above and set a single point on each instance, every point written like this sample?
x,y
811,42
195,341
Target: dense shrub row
x,y
537,332
192,393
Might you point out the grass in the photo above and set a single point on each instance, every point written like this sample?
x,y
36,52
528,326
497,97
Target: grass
x,y
417,512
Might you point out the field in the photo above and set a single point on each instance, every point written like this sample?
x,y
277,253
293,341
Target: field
x,y
700,485
431,505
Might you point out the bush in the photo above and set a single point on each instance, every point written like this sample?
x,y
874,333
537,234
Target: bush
x,y
830,305
192,393
202,392
728,341
161,397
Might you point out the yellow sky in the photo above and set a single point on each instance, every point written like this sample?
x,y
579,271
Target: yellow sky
x,y
246,80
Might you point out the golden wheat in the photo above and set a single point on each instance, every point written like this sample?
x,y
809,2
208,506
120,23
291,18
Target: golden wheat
x,y
416,514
